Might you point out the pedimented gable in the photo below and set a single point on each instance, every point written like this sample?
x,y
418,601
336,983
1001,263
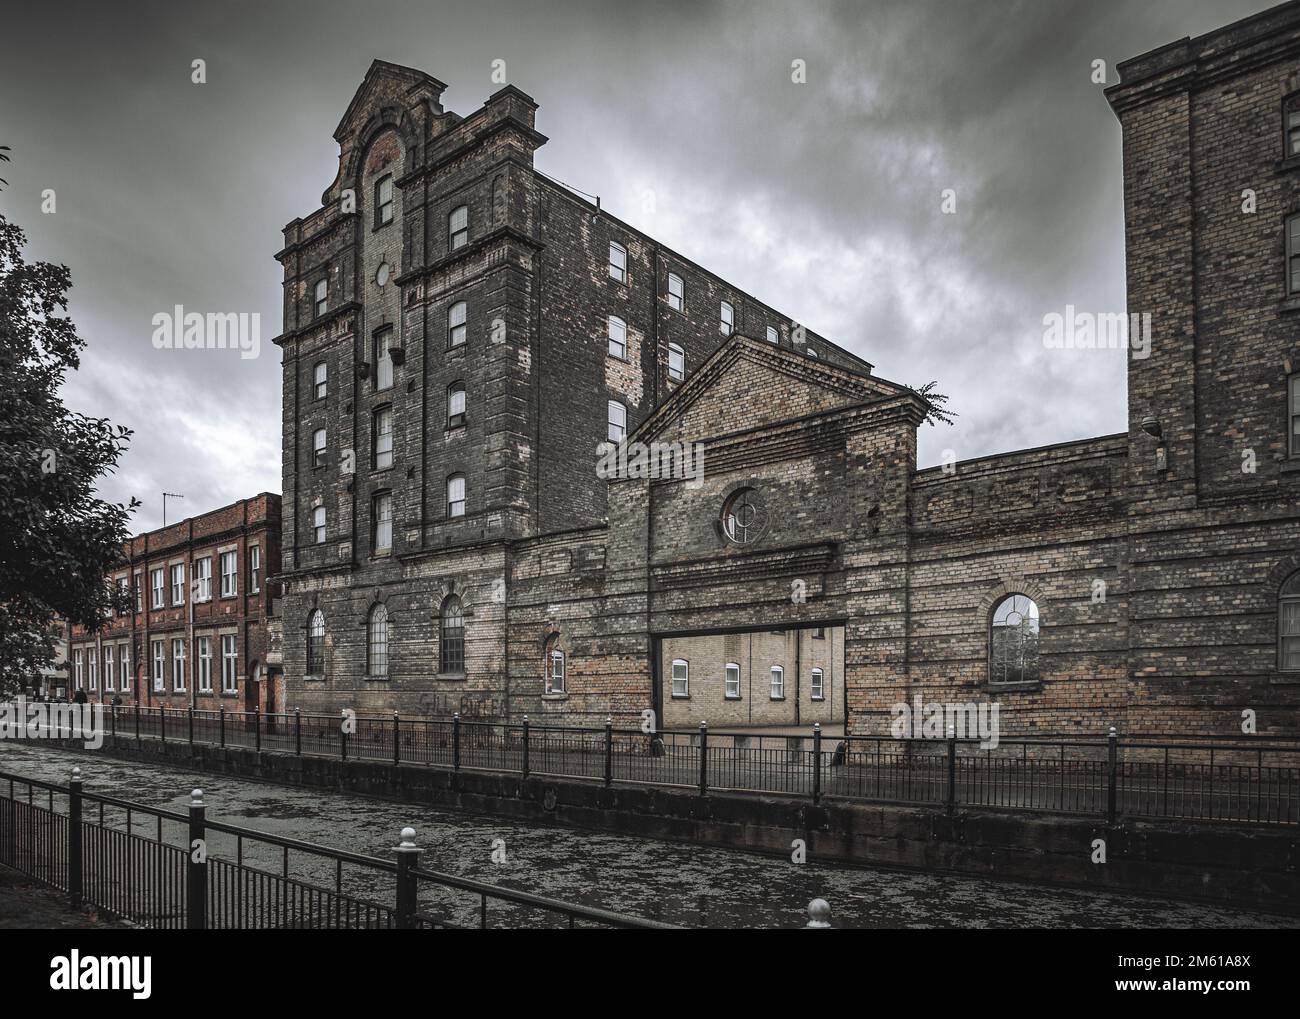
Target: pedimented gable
x,y
748,384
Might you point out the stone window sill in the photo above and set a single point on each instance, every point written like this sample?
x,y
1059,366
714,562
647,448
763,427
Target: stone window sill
x,y
451,676
555,696
1291,466
1032,687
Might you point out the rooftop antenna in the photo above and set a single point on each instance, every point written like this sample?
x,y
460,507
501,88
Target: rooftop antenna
x,y
166,496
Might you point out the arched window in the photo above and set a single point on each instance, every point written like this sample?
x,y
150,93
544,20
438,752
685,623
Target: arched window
x,y
452,645
617,418
818,692
456,404
458,228
456,495
742,517
315,644
616,333
457,315
681,678
676,362
1288,625
554,666
1013,640
377,642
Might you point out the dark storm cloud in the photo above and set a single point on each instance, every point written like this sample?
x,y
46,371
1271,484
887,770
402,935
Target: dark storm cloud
x,y
821,199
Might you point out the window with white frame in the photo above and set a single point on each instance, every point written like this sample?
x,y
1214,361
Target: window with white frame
x,y
384,200
157,586
92,660
110,669
316,643
203,648
773,336
676,362
458,228
676,292
456,495
123,591
229,664
78,668
318,448
382,341
229,574
1293,413
617,421
381,515
159,660
321,297
726,319
731,685
1288,625
377,641
203,578
178,664
456,404
254,569
318,524
617,262
320,380
457,329
778,683
124,666
681,678
178,583
139,592
818,685
555,671
616,332
383,438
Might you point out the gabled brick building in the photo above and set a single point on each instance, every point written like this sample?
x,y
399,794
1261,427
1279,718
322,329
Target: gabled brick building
x,y
196,635
461,333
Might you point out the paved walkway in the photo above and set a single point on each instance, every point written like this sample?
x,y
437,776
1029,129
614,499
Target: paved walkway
x,y
25,905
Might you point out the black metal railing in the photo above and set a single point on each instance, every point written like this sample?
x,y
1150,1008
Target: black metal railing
x,y
167,869
1228,780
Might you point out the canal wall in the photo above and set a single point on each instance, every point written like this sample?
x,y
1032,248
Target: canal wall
x,y
1246,867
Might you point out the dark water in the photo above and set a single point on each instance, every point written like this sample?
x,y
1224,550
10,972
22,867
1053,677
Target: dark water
x,y
677,882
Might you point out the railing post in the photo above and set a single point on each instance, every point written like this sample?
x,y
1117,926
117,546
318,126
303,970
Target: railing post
x,y
609,750
112,722
817,762
951,798
221,710
196,867
455,740
257,727
190,712
1112,741
343,736
137,721
297,731
162,722
525,763
819,915
408,854
74,839
397,740
704,758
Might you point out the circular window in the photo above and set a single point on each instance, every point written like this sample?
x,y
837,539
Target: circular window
x,y
742,517
382,273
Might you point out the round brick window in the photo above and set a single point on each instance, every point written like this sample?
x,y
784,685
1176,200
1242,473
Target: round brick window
x,y
743,517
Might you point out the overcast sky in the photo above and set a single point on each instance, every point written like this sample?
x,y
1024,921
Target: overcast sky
x,y
822,199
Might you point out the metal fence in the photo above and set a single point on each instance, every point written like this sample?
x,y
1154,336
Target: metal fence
x,y
1236,781
166,869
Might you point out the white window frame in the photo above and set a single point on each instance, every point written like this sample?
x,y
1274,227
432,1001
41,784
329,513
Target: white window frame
x,y
178,665
455,495
229,564
139,592
318,525
677,297
617,262
254,569
176,573
616,421
555,671
125,683
457,325
383,359
458,232
203,578
726,318
92,669
229,663
730,682
684,678
817,691
773,335
110,666
676,362
320,380
616,337
778,682
78,667
381,510
159,665
383,439
321,297
203,653
158,587
385,200
456,401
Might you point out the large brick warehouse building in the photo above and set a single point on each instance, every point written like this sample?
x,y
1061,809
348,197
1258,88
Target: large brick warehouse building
x,y
462,333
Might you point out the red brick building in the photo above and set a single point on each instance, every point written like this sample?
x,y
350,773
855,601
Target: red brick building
x,y
196,632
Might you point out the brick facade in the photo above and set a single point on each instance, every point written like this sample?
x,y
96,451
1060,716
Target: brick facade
x,y
1156,582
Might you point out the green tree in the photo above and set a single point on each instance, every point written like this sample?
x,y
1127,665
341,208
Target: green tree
x,y
58,541
935,403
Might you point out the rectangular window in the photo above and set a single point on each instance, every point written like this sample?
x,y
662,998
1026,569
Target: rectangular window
x,y
383,438
555,675
457,328
320,380
617,262
254,569
318,440
92,659
384,200
178,665
229,574
773,336
616,330
455,405
156,585
229,664
178,584
456,495
109,668
818,689
1293,126
318,524
617,422
124,665
458,228
1293,415
139,592
78,672
1293,256
204,648
159,657
681,678
383,359
676,362
676,293
381,509
778,683
732,686
203,579
321,297
726,319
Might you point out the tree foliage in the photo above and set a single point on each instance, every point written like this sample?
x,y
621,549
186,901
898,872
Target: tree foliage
x,y
58,541
936,404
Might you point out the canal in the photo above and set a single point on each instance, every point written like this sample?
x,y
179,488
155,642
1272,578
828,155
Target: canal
x,y
679,883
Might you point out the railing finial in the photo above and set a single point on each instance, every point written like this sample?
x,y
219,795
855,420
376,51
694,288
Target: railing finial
x,y
819,914
196,797
76,773
407,844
